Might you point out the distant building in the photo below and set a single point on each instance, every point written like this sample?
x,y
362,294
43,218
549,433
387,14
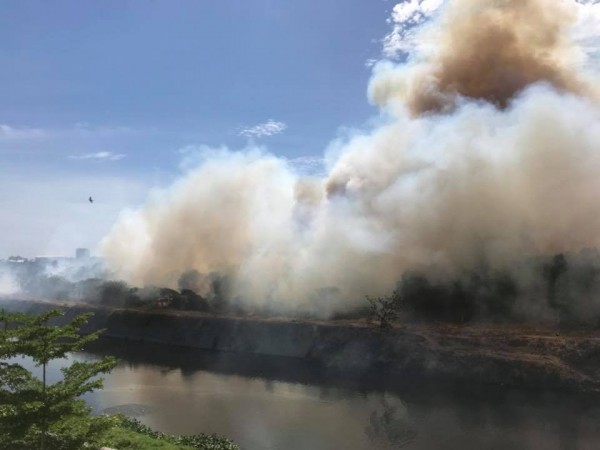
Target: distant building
x,y
16,260
52,261
82,253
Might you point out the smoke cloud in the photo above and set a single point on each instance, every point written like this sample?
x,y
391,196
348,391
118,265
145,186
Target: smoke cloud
x,y
486,154
8,285
488,50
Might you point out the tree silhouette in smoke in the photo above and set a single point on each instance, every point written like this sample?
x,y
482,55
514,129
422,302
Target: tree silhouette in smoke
x,y
385,310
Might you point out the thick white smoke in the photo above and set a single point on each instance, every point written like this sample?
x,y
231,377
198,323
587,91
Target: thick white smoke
x,y
487,153
8,285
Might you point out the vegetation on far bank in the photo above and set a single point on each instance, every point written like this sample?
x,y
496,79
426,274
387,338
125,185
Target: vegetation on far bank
x,y
564,288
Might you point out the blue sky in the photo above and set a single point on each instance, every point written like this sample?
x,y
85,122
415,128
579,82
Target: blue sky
x,y
99,98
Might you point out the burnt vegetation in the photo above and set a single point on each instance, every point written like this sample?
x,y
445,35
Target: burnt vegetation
x,y
564,288
489,295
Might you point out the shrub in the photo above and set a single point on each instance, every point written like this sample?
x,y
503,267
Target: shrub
x,y
385,310
199,441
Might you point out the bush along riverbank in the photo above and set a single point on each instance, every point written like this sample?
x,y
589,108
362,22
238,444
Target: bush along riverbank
x,y
130,434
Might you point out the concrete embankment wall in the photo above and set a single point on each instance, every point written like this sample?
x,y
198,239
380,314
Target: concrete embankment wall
x,y
349,349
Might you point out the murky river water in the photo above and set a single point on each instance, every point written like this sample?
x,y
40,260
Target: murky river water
x,y
278,403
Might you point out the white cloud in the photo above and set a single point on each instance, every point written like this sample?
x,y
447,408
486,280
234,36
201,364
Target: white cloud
x,y
585,32
406,16
100,156
268,128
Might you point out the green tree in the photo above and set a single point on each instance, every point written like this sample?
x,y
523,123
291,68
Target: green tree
x,y
34,413
385,310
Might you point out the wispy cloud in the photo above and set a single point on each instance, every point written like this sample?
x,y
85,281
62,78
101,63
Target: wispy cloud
x,y
10,133
100,156
87,129
312,165
79,130
268,128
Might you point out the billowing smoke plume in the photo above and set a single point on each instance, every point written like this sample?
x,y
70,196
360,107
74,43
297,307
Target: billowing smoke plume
x,y
504,167
488,50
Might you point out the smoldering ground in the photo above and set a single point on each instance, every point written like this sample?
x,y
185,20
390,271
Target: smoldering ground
x,y
485,157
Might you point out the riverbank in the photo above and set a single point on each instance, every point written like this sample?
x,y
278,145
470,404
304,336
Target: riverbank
x,y
508,355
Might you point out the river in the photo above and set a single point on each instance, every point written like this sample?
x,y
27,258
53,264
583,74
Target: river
x,y
268,403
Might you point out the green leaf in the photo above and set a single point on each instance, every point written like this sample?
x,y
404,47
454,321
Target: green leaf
x,y
34,414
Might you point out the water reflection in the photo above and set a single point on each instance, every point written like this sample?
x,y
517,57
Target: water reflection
x,y
391,427
279,403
